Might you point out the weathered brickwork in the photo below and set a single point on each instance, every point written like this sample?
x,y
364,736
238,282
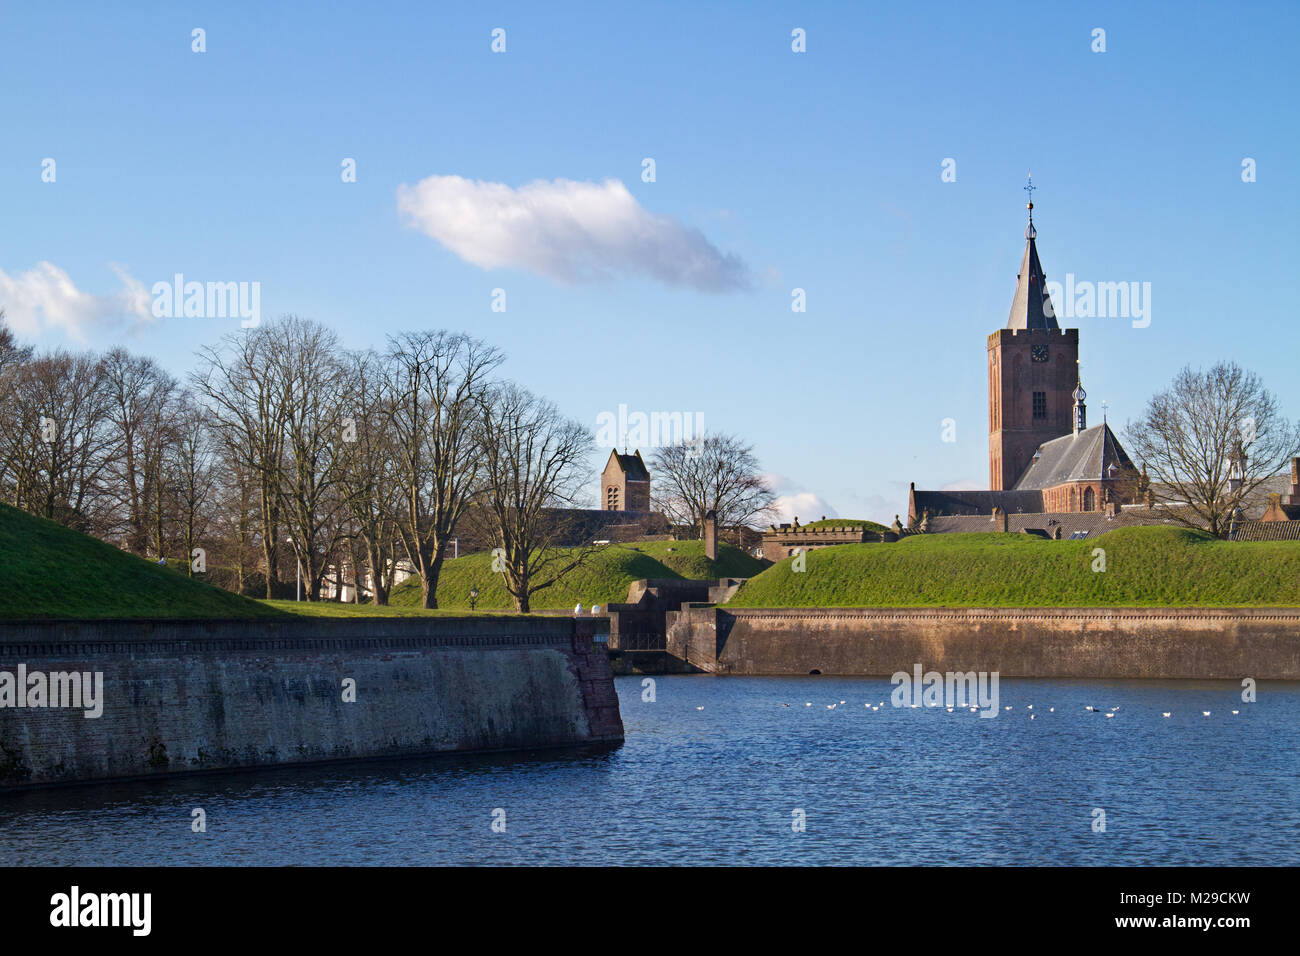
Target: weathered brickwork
x,y
1190,643
182,696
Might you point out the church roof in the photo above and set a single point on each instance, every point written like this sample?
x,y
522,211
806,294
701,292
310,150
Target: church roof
x,y
976,502
1086,456
1082,523
632,466
1031,308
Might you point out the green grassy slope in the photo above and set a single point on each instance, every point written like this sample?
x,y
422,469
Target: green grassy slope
x,y
603,579
845,523
1149,566
48,571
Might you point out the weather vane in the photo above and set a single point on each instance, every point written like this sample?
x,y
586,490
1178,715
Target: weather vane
x,y
1030,232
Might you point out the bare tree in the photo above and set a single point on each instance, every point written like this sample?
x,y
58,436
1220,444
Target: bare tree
x,y
1209,441
718,473
192,474
303,366
56,439
142,401
534,460
367,474
434,383
248,408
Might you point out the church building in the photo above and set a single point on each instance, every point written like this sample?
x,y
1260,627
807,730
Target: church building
x,y
1044,459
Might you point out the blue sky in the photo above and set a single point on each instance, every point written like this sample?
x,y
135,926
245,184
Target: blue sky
x,y
818,170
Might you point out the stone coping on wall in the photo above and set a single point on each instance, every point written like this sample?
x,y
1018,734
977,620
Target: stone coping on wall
x,y
170,637
1266,614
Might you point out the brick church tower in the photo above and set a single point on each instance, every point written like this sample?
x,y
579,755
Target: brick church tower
x,y
1033,369
625,483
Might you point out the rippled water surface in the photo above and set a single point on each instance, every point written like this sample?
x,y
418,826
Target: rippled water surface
x,y
714,768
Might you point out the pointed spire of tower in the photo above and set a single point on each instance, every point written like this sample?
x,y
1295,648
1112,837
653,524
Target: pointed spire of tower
x,y
1080,409
1031,308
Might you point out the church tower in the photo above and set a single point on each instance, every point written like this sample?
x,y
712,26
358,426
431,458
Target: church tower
x,y
1033,369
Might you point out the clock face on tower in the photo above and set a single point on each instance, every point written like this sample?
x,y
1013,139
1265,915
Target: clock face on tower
x,y
1039,353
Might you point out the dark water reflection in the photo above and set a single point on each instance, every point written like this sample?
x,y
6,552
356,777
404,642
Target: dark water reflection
x,y
718,785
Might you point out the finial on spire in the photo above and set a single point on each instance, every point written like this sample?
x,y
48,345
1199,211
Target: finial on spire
x,y
1030,231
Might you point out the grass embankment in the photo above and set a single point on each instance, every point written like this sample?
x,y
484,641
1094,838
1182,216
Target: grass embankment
x,y
603,578
49,571
1149,566
845,523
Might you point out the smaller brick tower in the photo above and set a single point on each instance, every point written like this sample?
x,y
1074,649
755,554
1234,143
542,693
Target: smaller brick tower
x,y
625,483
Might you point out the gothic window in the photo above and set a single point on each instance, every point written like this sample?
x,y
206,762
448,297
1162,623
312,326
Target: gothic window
x,y
611,498
1040,404
1089,499
1074,500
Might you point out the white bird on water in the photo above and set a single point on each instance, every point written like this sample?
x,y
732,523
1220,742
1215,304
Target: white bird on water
x,y
830,706
1236,711
809,704
1032,716
1029,706
1051,710
701,707
1110,715
1008,708
841,702
1205,713
1090,707
1165,713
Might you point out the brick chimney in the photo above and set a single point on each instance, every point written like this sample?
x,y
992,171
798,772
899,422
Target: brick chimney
x,y
1294,497
711,535
999,519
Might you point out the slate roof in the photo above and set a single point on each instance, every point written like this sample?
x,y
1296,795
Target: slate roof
x,y
1031,307
1092,522
632,466
1086,456
1267,531
976,502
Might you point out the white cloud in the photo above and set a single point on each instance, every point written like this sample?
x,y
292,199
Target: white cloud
x,y
795,501
964,484
45,299
568,231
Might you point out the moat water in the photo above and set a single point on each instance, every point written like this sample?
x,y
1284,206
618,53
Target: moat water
x,y
714,769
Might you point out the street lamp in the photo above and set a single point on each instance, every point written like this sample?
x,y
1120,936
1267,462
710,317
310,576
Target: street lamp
x,y
473,597
297,561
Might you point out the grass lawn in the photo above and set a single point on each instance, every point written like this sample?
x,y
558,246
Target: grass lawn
x,y
335,609
1149,566
603,579
49,571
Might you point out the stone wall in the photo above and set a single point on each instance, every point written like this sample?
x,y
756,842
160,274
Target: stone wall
x,y
1263,643
183,696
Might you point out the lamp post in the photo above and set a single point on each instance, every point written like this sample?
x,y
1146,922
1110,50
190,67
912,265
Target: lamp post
x,y
473,597
298,562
